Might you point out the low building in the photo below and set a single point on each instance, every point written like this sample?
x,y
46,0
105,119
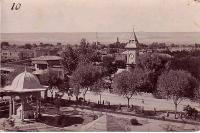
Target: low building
x,y
26,54
10,54
47,64
6,70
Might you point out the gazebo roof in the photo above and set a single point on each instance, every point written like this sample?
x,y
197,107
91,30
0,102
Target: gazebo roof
x,y
25,82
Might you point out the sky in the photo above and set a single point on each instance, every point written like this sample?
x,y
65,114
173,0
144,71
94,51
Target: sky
x,y
100,16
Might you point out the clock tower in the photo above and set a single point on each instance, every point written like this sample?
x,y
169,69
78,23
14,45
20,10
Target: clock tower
x,y
132,51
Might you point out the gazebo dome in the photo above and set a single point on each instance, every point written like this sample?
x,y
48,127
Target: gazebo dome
x,y
25,82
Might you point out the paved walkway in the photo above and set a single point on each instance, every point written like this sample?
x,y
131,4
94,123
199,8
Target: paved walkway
x,y
149,101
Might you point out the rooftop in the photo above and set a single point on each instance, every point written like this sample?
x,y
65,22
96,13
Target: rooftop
x,y
7,69
46,58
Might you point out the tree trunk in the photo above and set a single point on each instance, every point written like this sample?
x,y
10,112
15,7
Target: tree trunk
x,y
84,93
175,109
52,95
84,97
76,98
110,77
45,94
128,102
100,98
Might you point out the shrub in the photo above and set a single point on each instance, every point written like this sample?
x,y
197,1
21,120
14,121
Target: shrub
x,y
190,112
135,122
93,105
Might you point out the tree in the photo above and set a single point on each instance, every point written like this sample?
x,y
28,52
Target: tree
x,y
152,65
62,85
27,46
108,64
127,84
197,94
120,64
5,44
84,77
55,82
176,85
109,67
86,54
3,84
98,88
3,80
189,63
70,60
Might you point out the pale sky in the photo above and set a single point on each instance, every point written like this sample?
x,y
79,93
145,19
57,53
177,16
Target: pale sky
x,y
101,16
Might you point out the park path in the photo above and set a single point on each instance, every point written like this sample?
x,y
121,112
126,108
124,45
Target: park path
x,y
149,102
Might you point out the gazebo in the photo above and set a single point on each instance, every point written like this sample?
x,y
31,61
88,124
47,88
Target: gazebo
x,y
24,86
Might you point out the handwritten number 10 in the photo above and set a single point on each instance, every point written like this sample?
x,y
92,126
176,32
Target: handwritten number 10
x,y
16,6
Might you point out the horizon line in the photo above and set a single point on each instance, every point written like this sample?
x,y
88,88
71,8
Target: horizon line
x,y
105,32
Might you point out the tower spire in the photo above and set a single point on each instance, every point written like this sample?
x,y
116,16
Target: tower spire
x,y
96,38
133,37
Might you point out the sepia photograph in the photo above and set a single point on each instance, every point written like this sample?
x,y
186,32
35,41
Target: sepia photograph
x,y
100,65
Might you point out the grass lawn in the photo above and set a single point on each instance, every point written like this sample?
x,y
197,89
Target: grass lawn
x,y
149,125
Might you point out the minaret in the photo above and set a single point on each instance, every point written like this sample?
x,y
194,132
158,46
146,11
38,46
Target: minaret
x,y
117,40
97,38
132,51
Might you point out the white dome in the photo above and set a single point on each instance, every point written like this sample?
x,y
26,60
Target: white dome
x,y
25,82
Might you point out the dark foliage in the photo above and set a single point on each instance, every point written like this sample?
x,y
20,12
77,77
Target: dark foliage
x,y
135,122
70,60
189,63
191,113
3,80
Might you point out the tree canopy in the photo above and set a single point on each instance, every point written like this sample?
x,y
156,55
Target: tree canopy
x,y
189,63
152,66
176,85
85,76
86,54
98,88
70,60
108,64
127,84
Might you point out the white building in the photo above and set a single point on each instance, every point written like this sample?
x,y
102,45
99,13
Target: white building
x,y
46,64
10,54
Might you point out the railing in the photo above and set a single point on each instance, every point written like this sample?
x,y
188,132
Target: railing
x,y
4,106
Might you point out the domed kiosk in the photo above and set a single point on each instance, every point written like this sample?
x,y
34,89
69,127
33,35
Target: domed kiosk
x,y
25,85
